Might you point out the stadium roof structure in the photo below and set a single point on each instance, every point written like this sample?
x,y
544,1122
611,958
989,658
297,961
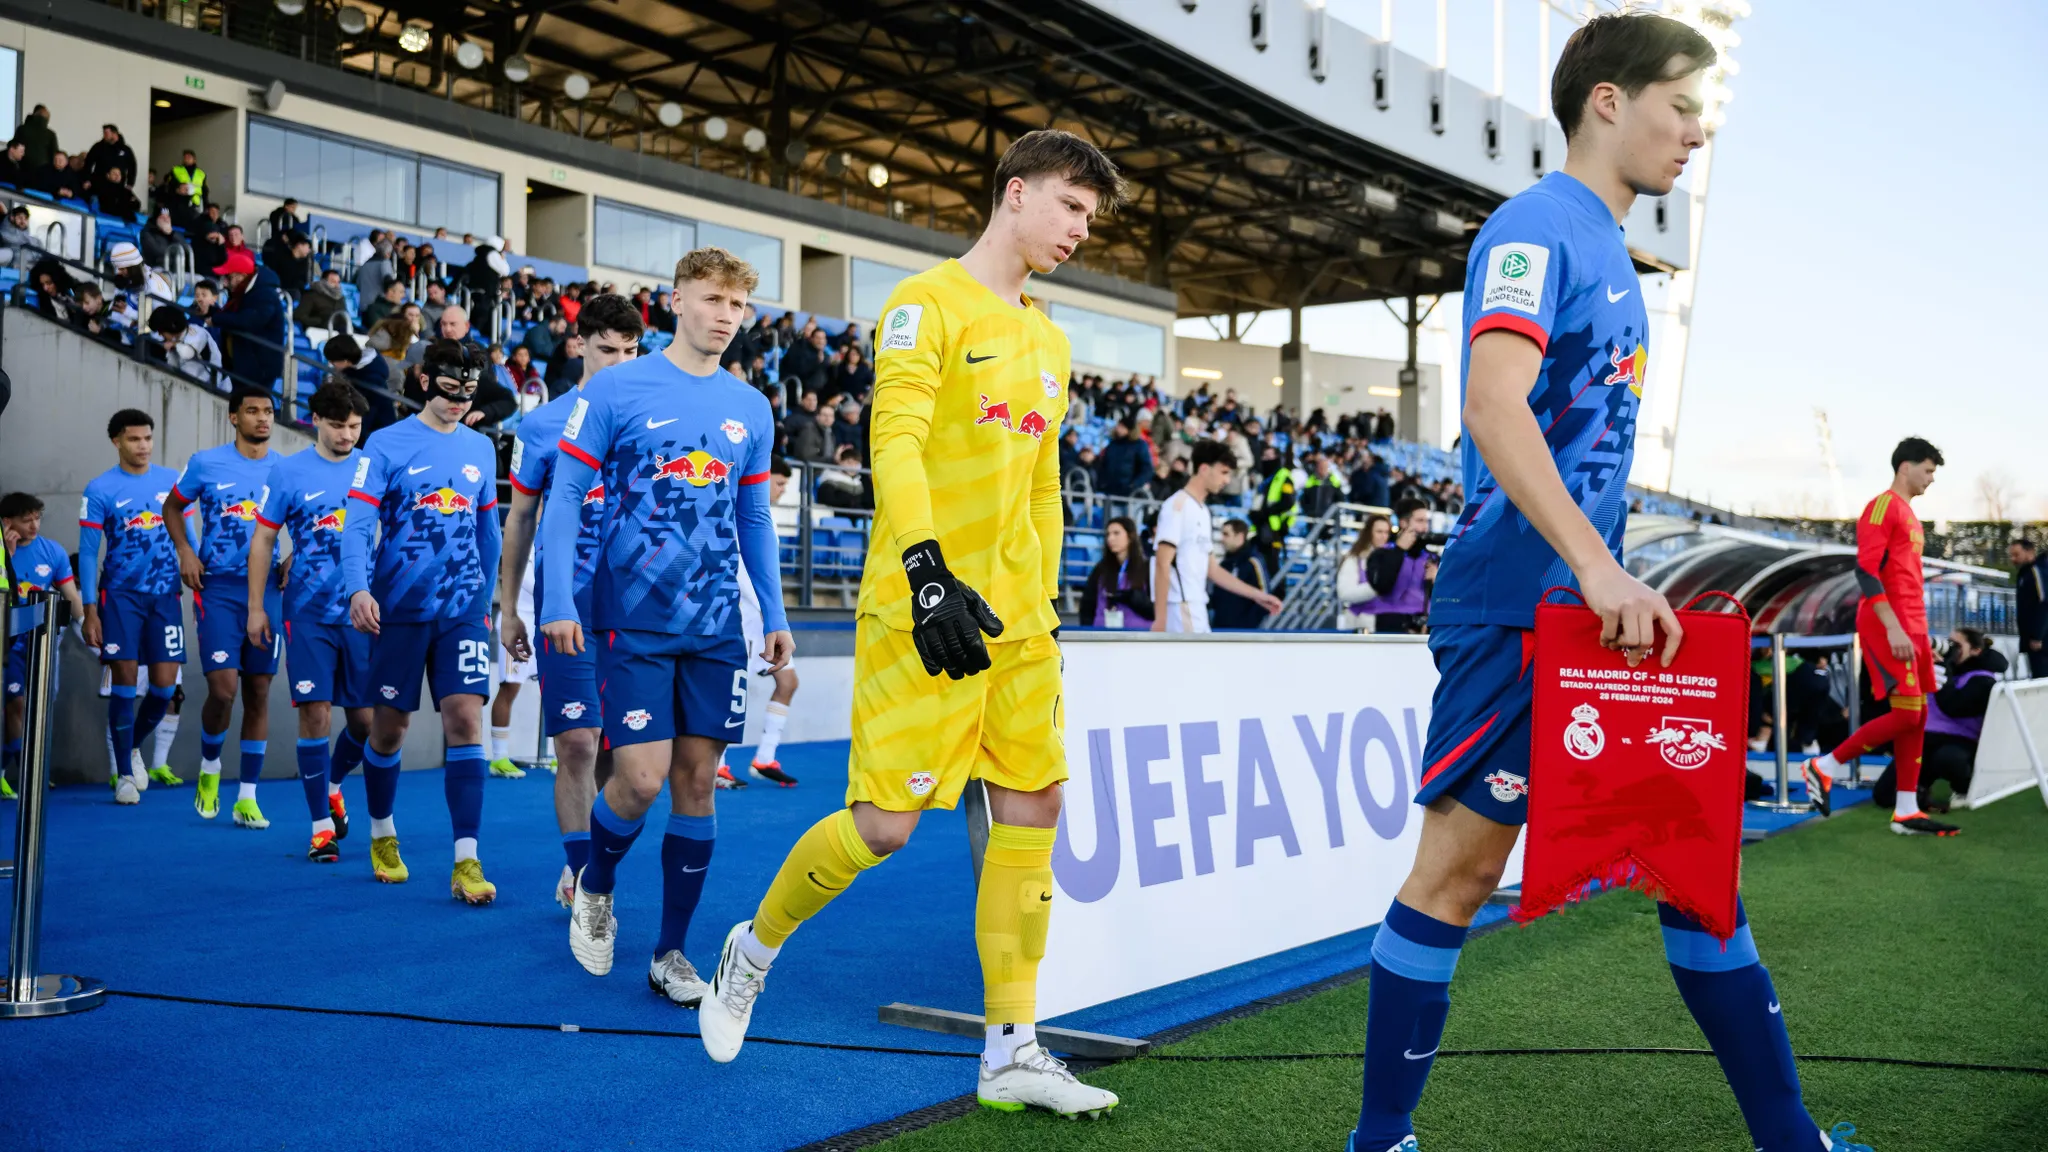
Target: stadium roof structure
x,y
900,107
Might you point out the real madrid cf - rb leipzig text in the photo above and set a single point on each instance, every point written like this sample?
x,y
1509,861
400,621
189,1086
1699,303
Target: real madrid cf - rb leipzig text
x,y
1209,819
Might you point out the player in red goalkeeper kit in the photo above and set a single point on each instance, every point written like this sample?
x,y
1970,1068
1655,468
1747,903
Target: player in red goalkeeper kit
x,y
1892,622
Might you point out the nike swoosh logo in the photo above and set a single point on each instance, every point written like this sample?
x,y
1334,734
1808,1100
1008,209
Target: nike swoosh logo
x,y
652,423
973,359
688,869
474,679
418,470
225,484
1420,1055
124,503
1774,1008
822,884
734,723
313,495
1612,295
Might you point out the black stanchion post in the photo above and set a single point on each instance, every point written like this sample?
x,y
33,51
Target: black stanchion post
x,y
28,992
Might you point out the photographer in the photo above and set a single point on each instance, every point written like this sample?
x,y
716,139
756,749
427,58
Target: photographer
x,y
1955,721
1401,573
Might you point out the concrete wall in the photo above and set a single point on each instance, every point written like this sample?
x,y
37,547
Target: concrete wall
x,y
53,439
558,228
827,283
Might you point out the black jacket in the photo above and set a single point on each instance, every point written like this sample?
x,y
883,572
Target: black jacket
x,y
1103,587
292,271
1126,466
2031,584
111,154
1229,610
258,315
1970,701
808,365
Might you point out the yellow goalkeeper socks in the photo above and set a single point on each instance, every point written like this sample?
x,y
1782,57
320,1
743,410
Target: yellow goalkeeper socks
x,y
1011,913
825,860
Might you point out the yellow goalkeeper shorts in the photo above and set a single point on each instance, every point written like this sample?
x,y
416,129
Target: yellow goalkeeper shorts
x,y
918,738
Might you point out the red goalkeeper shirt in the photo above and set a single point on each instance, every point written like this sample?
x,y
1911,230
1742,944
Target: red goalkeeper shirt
x,y
1888,545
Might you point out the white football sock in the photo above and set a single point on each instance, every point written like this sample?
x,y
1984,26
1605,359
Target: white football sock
x,y
1907,804
382,826
758,954
209,767
324,824
772,725
248,792
333,789
1000,1048
501,743
465,849
166,731
1826,765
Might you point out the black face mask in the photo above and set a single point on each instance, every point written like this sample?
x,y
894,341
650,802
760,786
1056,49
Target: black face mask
x,y
457,384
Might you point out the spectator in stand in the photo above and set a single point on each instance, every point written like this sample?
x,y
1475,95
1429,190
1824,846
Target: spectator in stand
x,y
390,297
89,314
1402,572
455,326
543,339
53,289
806,438
565,365
110,153
1126,463
110,196
322,305
235,242
18,246
1118,593
435,303
571,302
136,282
185,185
809,363
843,485
290,255
479,283
1163,485
1383,428
186,346
1355,593
205,307
38,142
57,178
394,339
285,217
253,318
369,373
1369,482
1228,611
525,377
14,169
158,240
1323,490
209,244
852,375
427,264
372,274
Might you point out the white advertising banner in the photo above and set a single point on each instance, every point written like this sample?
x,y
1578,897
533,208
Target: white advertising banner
x,y
1232,796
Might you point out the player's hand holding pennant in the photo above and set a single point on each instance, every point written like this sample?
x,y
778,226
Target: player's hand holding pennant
x,y
1636,773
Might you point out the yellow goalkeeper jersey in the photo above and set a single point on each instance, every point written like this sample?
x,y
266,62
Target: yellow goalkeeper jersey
x,y
970,392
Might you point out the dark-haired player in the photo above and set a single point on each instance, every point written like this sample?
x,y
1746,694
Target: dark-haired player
x,y
132,610
1555,363
418,567
226,484
970,390
570,711
328,661
1891,619
35,563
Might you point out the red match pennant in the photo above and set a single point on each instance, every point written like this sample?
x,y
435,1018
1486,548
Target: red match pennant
x,y
1635,774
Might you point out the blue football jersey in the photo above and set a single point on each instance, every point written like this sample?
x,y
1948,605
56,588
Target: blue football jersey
x,y
40,565
227,487
307,497
533,470
1550,264
432,497
128,510
675,453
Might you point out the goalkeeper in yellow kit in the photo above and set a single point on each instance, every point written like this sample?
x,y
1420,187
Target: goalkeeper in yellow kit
x,y
970,390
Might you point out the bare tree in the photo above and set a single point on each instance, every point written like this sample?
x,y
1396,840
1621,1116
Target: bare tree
x,y
1998,493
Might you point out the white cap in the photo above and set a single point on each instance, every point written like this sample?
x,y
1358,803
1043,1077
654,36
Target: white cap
x,y
125,255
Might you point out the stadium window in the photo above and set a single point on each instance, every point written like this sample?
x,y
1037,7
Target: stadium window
x,y
763,252
326,170
1104,341
638,240
10,86
872,283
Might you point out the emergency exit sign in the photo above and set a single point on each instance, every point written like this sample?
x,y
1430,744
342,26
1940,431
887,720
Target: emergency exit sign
x,y
196,83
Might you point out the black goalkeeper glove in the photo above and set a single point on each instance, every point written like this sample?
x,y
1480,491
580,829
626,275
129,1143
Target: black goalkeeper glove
x,y
947,617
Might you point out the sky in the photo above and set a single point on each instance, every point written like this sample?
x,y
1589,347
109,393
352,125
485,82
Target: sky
x,y
1873,232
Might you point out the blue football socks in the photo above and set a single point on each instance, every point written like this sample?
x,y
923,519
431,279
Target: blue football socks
x,y
463,785
685,858
1413,959
576,848
252,760
313,776
610,836
150,711
211,743
348,753
121,725
380,782
1729,993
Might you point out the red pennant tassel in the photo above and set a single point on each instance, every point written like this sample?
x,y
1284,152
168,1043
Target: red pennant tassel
x,y
1635,776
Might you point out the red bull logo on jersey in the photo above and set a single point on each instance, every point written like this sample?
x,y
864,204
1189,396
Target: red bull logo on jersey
x,y
446,501
333,521
594,496
143,521
697,468
240,510
1032,424
1629,369
1685,743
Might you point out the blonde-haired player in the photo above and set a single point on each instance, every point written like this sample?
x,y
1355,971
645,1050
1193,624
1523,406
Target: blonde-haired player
x,y
970,389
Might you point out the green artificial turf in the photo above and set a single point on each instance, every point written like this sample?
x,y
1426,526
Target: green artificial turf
x,y
1879,945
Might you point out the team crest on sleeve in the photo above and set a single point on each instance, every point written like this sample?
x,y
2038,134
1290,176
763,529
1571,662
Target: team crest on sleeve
x,y
575,424
362,472
1514,277
471,473
85,507
734,430
518,453
899,329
